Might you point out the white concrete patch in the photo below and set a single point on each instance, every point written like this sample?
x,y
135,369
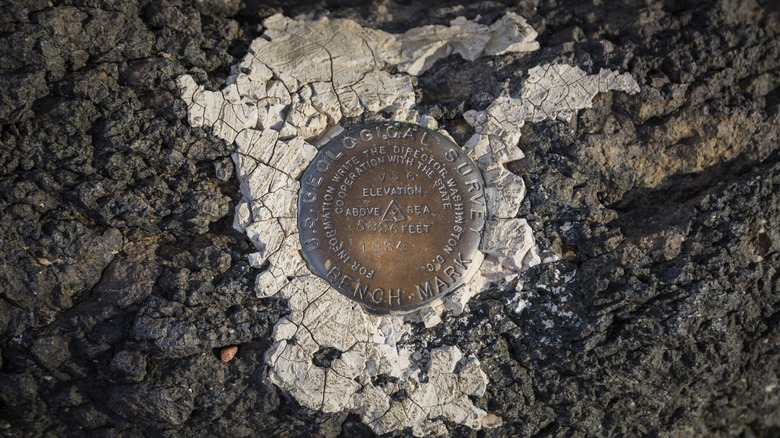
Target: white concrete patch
x,y
552,91
286,96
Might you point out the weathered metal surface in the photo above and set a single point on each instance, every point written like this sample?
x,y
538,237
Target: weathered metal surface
x,y
391,215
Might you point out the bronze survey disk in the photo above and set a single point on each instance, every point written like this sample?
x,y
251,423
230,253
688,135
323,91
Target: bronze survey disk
x,y
391,215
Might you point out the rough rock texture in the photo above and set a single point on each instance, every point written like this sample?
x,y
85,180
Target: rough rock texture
x,y
274,129
655,310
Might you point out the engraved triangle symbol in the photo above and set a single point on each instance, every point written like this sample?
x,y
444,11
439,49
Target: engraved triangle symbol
x,y
393,213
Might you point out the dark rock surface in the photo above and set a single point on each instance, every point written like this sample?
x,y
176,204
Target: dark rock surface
x,y
121,279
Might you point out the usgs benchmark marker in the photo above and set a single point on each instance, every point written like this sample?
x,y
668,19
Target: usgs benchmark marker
x,y
391,215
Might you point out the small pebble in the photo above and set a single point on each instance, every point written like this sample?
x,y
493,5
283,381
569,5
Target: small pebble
x,y
227,353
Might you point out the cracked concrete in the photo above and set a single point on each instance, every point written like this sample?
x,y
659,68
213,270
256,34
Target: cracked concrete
x,y
296,84
551,91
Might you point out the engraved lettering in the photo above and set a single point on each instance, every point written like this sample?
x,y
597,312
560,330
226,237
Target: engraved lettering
x,y
333,274
349,142
378,296
308,222
418,209
392,191
343,256
422,139
440,284
451,272
346,283
426,291
335,157
323,165
462,262
394,295
311,244
464,169
416,228
458,213
314,181
362,211
361,291
391,196
473,185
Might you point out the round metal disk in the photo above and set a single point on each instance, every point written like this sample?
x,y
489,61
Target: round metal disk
x,y
391,215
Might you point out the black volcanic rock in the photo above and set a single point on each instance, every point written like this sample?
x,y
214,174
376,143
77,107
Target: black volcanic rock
x,y
656,311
